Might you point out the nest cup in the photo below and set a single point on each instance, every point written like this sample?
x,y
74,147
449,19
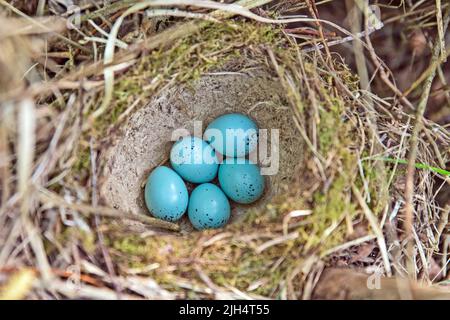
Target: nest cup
x,y
145,139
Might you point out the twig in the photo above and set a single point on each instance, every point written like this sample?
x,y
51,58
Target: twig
x,y
348,245
384,75
414,142
58,272
291,236
72,290
313,10
27,140
360,60
427,72
441,30
101,241
52,198
40,8
44,27
442,223
376,229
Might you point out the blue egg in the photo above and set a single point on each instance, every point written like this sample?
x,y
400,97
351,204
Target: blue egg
x,y
241,180
233,135
194,160
208,207
166,195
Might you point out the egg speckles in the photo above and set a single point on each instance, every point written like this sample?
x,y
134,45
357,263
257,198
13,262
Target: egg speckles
x,y
208,207
166,195
233,135
194,160
241,180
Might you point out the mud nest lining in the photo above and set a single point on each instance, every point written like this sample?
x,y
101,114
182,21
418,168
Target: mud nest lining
x,y
144,141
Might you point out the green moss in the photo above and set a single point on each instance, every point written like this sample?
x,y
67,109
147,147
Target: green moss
x,y
376,176
131,245
329,209
87,239
184,61
83,160
249,269
328,129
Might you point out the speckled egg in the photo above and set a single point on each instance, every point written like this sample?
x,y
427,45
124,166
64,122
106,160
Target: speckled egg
x,y
241,180
194,160
233,135
166,195
209,207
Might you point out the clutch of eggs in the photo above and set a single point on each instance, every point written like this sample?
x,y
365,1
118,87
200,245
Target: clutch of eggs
x,y
195,160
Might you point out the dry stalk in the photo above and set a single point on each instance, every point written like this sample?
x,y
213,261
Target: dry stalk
x,y
414,141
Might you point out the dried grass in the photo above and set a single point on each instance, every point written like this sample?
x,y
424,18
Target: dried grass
x,y
70,90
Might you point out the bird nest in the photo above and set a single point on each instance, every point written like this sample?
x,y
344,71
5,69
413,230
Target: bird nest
x,y
144,141
332,182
